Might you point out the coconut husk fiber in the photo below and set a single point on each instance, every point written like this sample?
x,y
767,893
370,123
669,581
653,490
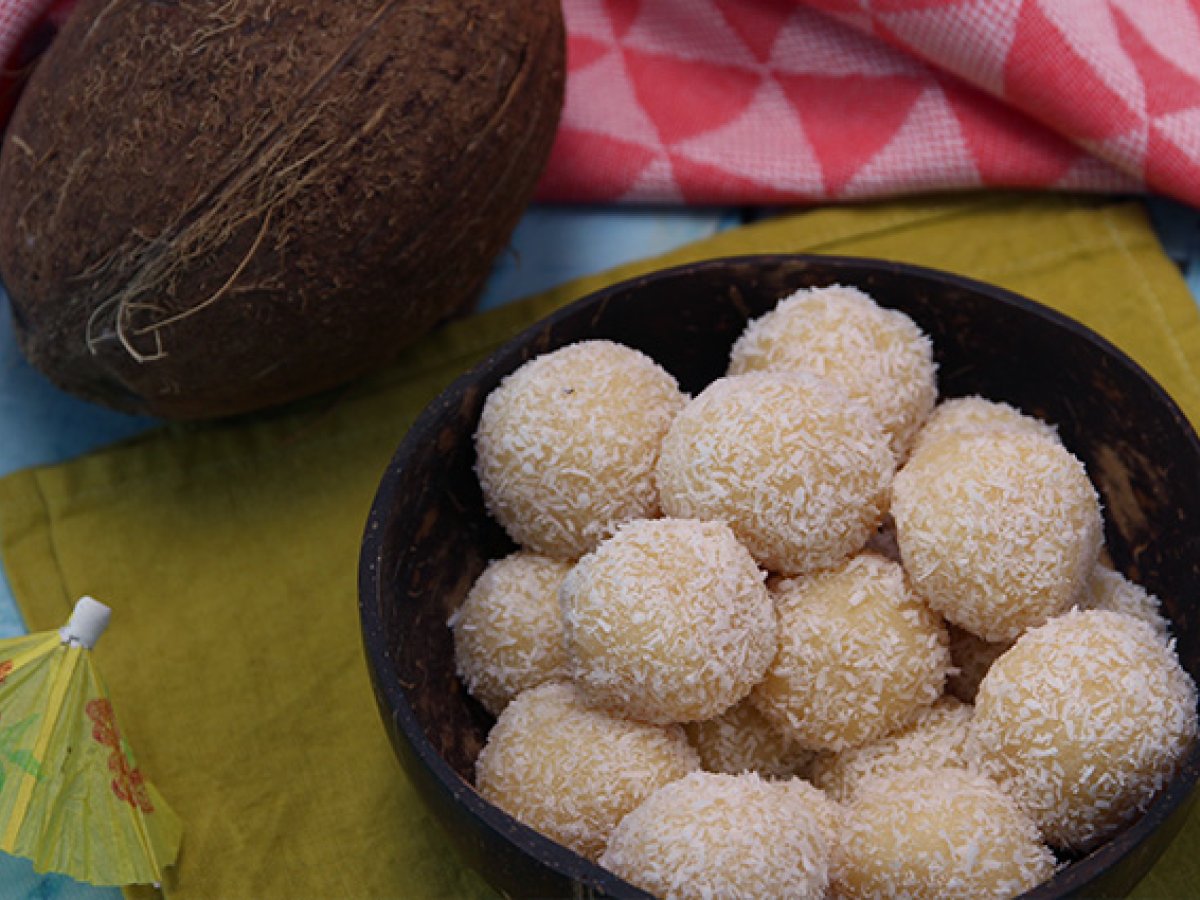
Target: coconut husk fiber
x,y
208,208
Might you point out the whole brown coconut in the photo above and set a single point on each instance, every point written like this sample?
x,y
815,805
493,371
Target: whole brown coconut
x,y
208,208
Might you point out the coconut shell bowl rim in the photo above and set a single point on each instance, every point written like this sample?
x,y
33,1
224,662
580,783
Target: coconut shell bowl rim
x,y
481,830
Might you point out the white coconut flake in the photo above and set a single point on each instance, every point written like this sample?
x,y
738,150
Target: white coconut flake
x,y
567,444
572,772
508,632
878,356
937,831
844,673
1083,721
668,621
998,531
937,736
797,469
718,835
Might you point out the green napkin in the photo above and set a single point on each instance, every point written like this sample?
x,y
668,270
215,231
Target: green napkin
x,y
229,554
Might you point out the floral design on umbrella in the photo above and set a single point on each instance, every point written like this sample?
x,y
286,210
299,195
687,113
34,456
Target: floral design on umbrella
x,y
72,797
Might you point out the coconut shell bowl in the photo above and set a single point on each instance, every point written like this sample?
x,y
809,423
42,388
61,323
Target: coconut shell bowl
x,y
428,536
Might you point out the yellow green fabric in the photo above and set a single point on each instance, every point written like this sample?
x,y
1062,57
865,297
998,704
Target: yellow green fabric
x,y
229,554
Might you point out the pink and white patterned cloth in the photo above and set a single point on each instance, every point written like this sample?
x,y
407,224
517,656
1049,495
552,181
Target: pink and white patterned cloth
x,y
777,101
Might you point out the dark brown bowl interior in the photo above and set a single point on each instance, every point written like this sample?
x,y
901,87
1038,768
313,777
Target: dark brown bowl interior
x,y
428,535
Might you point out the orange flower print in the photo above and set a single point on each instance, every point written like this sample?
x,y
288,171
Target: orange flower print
x,y
6,667
104,727
128,783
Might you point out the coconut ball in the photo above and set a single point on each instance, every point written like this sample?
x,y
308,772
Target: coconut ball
x,y
1108,589
977,415
508,633
742,740
938,736
998,531
878,355
1083,721
971,657
566,445
717,835
668,621
571,771
797,469
940,833
859,655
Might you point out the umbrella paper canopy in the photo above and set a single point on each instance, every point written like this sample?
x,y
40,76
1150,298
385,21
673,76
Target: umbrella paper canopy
x,y
72,798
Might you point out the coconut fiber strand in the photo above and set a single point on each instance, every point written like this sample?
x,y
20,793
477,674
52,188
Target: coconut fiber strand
x,y
229,553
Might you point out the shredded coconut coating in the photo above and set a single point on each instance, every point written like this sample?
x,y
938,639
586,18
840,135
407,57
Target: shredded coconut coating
x,y
937,737
1108,589
567,444
972,656
977,415
713,835
998,531
940,833
572,772
1104,589
668,621
879,356
508,633
830,814
1083,721
799,470
742,740
859,655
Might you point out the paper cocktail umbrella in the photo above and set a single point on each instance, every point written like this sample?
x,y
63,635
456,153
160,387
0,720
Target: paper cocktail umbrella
x,y
72,798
